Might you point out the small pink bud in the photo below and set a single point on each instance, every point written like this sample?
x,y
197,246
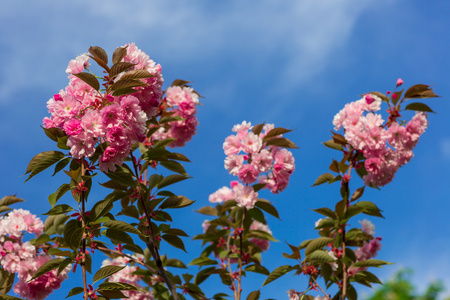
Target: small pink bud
x,y
388,92
369,99
109,98
394,96
399,82
57,97
234,183
245,157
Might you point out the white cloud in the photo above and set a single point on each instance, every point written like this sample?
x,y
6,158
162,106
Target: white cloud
x,y
295,38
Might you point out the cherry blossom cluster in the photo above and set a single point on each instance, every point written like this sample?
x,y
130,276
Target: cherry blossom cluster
x,y
249,158
244,195
23,258
369,249
180,101
127,275
386,147
90,117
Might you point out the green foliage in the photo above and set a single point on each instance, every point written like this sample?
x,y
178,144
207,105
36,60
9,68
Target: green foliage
x,y
400,287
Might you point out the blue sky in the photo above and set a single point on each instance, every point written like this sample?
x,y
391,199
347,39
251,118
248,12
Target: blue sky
x,y
292,63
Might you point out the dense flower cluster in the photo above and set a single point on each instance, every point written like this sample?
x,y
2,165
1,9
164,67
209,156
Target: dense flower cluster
x,y
126,275
385,147
369,249
270,165
23,258
244,195
180,101
90,117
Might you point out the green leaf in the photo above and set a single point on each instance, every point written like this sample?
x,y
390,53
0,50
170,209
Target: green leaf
x,y
370,208
42,161
59,209
371,263
174,241
121,225
117,286
73,234
260,234
222,221
118,236
119,54
277,273
154,180
119,67
267,207
101,208
47,267
317,243
275,132
75,291
370,277
111,184
331,144
42,239
61,165
122,176
358,193
106,272
67,261
320,256
53,198
254,295
127,83
325,223
89,79
202,261
352,211
111,294
419,107
175,263
137,74
124,91
257,129
326,212
99,54
420,91
176,202
54,133
6,281
281,142
257,269
208,210
203,275
171,179
174,166
323,179
8,200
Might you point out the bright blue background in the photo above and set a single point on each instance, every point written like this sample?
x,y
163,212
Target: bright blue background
x,y
292,63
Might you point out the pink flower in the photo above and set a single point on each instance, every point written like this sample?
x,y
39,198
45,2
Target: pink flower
x,y
248,174
245,196
232,145
78,64
73,127
367,226
261,243
38,288
399,82
221,195
82,145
